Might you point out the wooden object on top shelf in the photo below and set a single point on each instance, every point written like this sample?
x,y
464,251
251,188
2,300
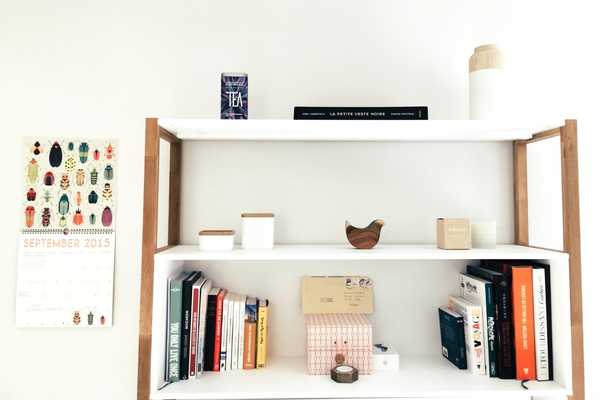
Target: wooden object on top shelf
x,y
441,379
364,238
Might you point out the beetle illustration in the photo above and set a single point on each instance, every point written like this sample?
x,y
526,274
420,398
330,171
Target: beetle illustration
x,y
49,179
71,146
46,217
77,217
80,177
33,171
102,320
47,196
92,219
70,164
31,195
78,198
94,176
106,216
93,197
107,192
109,152
64,182
29,216
108,172
37,148
55,156
83,152
96,155
90,318
63,204
62,221
76,318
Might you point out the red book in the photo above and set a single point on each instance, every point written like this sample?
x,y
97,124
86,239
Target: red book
x,y
218,329
522,288
194,330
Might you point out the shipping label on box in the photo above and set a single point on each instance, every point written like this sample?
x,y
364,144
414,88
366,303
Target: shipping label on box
x,y
337,295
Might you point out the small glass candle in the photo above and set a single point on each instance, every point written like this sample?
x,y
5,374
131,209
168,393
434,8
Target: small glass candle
x,y
483,234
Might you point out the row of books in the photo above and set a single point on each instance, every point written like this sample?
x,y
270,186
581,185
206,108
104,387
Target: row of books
x,y
212,329
501,323
362,113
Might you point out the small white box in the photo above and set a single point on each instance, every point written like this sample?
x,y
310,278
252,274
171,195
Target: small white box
x,y
385,358
258,230
216,240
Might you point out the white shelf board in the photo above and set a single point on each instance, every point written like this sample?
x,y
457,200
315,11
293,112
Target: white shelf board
x,y
392,131
285,378
346,252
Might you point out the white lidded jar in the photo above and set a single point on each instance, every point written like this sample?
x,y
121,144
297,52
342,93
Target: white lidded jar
x,y
487,86
216,240
258,230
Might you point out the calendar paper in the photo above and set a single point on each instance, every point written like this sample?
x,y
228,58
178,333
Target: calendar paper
x,y
67,238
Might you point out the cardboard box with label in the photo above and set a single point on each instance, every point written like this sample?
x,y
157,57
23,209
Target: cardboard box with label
x,y
337,295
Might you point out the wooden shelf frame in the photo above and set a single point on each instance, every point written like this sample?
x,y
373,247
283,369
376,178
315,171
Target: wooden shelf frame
x,y
571,231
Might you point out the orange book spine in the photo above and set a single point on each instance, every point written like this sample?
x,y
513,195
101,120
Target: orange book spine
x,y
522,288
249,345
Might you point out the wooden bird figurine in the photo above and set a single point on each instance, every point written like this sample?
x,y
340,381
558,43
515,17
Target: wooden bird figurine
x,y
364,238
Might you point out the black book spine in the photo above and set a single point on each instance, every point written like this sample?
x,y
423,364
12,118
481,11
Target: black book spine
x,y
504,318
361,113
186,319
209,338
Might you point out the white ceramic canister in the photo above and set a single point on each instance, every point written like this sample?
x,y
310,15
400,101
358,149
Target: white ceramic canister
x,y
487,86
258,230
216,240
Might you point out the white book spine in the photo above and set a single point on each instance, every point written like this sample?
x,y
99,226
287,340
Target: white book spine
x,y
473,333
242,313
236,332
474,291
542,363
229,332
224,334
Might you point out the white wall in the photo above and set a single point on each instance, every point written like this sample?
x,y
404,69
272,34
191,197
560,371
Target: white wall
x,y
99,68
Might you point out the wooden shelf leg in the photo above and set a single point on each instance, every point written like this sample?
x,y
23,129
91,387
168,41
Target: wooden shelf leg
x,y
571,237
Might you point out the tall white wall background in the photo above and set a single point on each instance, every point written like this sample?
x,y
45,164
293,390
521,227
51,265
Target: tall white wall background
x,y
99,68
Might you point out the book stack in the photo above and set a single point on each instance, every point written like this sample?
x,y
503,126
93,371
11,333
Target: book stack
x,y
212,329
500,324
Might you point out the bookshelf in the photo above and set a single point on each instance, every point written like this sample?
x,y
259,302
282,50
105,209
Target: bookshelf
x,y
396,268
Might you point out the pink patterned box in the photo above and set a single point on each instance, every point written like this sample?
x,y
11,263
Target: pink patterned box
x,y
331,334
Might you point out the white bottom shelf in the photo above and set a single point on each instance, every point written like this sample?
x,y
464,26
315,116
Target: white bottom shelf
x,y
418,377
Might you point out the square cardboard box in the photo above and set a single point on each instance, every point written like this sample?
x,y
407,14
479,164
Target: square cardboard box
x,y
453,233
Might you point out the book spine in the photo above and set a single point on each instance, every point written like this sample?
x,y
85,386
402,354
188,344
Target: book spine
x,y
194,331
186,314
542,358
523,322
206,287
224,334
261,335
477,338
491,330
249,345
230,328
361,113
241,319
209,340
236,334
218,332
174,330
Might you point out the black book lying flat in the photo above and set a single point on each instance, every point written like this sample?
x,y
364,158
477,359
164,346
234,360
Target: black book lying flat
x,y
361,113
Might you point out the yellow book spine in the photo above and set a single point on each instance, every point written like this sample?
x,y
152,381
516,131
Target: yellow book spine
x,y
261,336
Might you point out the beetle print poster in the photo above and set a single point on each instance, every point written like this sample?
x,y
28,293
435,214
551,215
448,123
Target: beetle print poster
x,y
67,240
